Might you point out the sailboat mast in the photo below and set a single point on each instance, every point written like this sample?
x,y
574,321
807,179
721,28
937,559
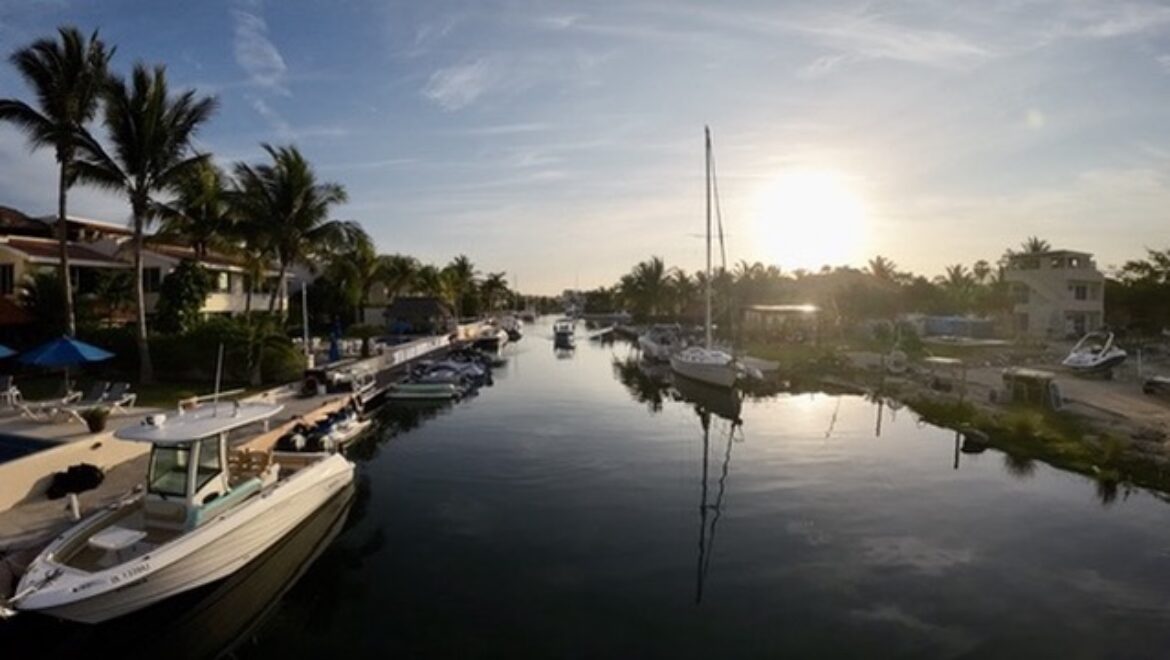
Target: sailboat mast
x,y
707,135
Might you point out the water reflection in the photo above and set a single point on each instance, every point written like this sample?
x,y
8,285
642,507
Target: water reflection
x,y
203,623
707,508
645,382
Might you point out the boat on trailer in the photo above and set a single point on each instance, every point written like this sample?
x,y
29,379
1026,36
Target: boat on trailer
x,y
1095,353
207,510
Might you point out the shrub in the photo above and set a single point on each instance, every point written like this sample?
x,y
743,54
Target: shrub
x,y
95,418
181,296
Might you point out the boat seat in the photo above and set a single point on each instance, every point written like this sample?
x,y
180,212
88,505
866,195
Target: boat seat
x,y
244,464
222,503
164,514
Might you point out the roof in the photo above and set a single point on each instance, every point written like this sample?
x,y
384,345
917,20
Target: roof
x,y
1051,253
418,306
89,223
208,419
47,250
187,252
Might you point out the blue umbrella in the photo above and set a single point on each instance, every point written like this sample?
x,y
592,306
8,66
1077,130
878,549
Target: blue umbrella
x,y
6,352
64,352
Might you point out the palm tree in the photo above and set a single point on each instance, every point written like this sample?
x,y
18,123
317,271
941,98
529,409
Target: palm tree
x,y
199,214
429,281
67,79
460,276
648,281
883,268
981,270
357,270
1035,245
494,286
399,273
292,207
150,132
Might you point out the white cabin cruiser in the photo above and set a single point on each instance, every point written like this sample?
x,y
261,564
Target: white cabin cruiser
x,y
1095,353
661,341
563,333
206,512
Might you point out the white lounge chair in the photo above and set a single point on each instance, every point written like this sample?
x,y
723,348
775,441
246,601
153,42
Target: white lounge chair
x,y
49,409
9,394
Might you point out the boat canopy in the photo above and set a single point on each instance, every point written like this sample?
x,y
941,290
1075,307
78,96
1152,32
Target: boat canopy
x,y
208,419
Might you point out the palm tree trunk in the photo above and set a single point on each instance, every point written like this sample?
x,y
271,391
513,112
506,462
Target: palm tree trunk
x,y
145,368
63,241
277,290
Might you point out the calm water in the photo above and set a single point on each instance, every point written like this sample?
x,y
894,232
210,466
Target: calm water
x,y
564,513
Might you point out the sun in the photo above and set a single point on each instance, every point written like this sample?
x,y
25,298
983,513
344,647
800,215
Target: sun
x,y
809,218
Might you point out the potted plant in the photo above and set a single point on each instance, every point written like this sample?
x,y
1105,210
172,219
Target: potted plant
x,y
95,418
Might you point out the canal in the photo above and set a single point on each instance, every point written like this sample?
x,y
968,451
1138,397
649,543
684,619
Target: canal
x,y
582,506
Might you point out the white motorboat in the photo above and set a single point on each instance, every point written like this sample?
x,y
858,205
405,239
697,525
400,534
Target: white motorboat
x,y
207,510
512,325
661,341
491,337
1095,353
707,364
330,434
563,333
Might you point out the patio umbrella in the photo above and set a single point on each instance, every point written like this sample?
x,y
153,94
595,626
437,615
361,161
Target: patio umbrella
x,y
6,352
64,352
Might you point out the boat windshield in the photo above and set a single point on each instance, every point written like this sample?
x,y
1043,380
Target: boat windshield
x,y
168,470
209,464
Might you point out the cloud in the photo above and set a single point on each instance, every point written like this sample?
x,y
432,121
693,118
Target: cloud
x,y
256,54
872,38
458,86
1035,119
286,131
1164,60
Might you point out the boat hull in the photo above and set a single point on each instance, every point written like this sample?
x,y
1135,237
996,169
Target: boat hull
x,y
191,561
719,375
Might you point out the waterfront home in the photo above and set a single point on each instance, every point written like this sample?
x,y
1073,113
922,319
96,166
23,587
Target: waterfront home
x,y
781,322
29,245
415,315
1057,293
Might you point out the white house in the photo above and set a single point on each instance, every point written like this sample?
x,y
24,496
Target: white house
x,y
1059,293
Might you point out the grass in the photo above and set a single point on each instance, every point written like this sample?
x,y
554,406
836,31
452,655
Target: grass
x,y
158,395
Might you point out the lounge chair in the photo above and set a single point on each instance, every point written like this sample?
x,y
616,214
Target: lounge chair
x,y
9,393
48,409
95,396
119,397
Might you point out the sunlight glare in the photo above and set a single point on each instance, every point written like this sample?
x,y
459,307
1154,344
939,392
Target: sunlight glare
x,y
809,218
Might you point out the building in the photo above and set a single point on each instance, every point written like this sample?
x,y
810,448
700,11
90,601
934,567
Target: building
x,y
28,245
420,315
1059,293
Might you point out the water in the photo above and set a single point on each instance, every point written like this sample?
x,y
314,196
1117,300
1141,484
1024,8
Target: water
x,y
13,447
563,513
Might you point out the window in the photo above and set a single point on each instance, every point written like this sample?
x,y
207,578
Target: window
x,y
1057,262
168,470
7,279
223,281
209,466
1020,294
1074,262
1079,291
151,279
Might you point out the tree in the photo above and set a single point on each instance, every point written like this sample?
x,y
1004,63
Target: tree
x,y
883,269
459,276
150,133
286,203
66,77
181,297
645,287
1035,245
40,295
399,273
429,282
981,270
199,215
493,290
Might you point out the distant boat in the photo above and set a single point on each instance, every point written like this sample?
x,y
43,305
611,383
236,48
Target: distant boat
x,y
511,325
563,333
205,513
704,363
492,337
1095,353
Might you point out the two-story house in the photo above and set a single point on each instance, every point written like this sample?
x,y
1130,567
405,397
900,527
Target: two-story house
x,y
1059,293
28,244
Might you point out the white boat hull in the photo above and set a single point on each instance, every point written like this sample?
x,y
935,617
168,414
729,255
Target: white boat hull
x,y
720,375
652,350
208,554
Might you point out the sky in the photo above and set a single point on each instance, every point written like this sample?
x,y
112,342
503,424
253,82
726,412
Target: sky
x,y
562,142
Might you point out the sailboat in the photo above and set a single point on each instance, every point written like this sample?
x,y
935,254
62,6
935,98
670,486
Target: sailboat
x,y
705,363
